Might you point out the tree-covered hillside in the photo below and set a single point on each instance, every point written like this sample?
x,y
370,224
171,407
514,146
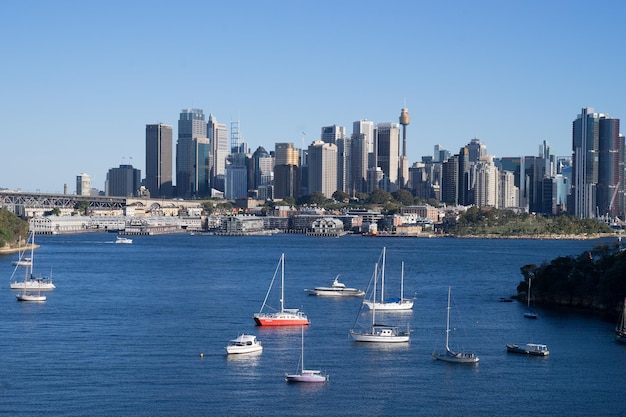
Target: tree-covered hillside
x,y
12,228
593,280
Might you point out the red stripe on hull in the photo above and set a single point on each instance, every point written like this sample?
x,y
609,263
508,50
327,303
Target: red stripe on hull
x,y
280,322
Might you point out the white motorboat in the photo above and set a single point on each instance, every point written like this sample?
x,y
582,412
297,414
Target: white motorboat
x,y
337,289
27,296
245,343
123,240
305,375
378,333
535,349
393,304
449,355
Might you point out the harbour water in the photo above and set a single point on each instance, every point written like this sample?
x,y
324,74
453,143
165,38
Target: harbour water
x,y
124,331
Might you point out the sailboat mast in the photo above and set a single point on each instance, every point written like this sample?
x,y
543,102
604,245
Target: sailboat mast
x,y
374,298
382,279
448,321
282,282
528,295
302,348
402,283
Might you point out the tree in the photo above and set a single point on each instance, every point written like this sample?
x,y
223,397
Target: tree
x,y
340,195
82,207
379,196
404,197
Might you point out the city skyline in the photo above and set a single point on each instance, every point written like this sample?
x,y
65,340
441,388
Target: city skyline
x,y
84,82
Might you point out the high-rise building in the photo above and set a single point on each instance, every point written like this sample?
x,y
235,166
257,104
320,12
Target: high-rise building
x,y
123,181
366,128
486,185
201,182
191,125
83,184
286,171
596,173
331,134
387,150
218,135
322,175
159,160
476,150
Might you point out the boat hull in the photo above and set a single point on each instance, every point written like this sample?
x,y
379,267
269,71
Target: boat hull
x,y
620,337
381,335
456,357
31,298
392,306
269,320
528,349
333,292
32,285
307,376
241,350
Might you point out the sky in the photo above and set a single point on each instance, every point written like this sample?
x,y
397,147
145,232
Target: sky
x,y
79,80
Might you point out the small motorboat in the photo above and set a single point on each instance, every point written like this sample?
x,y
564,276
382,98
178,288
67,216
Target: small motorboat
x,y
246,343
535,349
337,289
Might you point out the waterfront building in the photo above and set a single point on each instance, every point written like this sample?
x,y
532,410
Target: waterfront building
x,y
123,181
322,174
159,160
83,184
191,124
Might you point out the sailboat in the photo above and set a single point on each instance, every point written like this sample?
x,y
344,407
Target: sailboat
x,y
379,333
285,316
305,375
529,314
395,304
449,355
30,282
620,329
29,296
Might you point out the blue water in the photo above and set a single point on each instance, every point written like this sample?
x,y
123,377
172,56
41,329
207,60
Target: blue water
x,y
123,332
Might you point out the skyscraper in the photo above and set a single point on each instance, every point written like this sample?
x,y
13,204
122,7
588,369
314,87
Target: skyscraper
x,y
191,125
387,150
83,184
159,160
322,168
218,135
123,181
596,174
286,171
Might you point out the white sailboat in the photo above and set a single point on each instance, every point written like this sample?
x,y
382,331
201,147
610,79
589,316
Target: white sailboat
x,y
285,316
30,282
26,295
449,355
378,333
305,375
529,314
620,329
396,304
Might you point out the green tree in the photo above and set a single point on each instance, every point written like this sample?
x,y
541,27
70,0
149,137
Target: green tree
x,y
404,197
379,196
82,207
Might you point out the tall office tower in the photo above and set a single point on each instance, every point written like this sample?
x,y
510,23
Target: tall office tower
x,y
331,134
595,166
545,152
450,181
201,181
508,193
286,171
465,178
236,177
344,164
254,172
476,150
191,125
358,164
123,181
83,184
322,168
218,135
366,128
159,160
387,150
534,169
235,138
486,188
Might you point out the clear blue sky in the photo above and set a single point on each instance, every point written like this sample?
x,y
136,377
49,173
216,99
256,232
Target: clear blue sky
x,y
81,79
